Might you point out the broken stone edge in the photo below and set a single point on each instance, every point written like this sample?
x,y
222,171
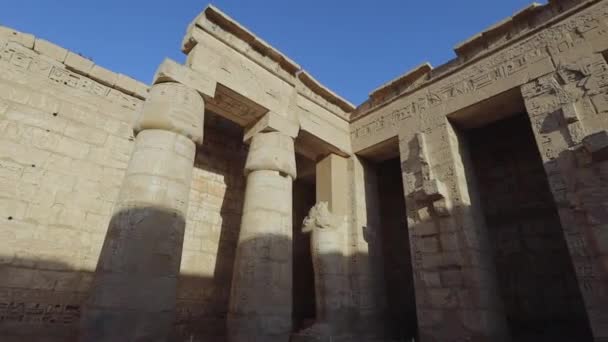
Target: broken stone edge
x,y
75,62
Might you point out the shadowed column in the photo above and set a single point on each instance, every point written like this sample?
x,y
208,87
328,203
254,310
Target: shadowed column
x,y
260,301
133,294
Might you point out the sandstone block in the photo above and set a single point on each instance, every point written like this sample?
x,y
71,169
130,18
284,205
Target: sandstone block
x,y
173,107
272,151
171,71
140,90
78,63
11,35
103,75
47,48
125,83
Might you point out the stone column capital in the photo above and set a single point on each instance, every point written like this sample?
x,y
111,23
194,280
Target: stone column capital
x,y
174,107
273,151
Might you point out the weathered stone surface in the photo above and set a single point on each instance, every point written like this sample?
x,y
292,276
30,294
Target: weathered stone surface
x,y
9,35
327,245
272,122
103,75
171,71
502,154
332,183
261,294
272,151
78,63
597,145
65,148
49,49
173,107
133,294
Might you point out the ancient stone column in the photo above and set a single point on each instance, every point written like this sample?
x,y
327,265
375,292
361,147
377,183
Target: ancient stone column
x,y
134,290
260,300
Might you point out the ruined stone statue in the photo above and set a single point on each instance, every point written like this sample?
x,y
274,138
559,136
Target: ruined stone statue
x,y
326,245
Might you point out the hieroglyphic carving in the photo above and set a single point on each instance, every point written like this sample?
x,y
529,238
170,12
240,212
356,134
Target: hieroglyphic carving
x,y
40,313
516,60
471,80
28,60
558,100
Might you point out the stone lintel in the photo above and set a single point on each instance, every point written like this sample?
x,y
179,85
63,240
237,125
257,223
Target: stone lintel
x,y
402,81
171,71
272,122
216,16
232,34
332,183
325,92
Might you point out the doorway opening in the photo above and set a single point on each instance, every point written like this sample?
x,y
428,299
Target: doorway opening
x,y
401,322
399,282
536,279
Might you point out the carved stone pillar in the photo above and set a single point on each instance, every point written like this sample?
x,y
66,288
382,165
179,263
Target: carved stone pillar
x,y
133,294
454,278
260,300
567,112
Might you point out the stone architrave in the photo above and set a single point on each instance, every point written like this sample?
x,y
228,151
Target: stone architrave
x,y
134,289
261,295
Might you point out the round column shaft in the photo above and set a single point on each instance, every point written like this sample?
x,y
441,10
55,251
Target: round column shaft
x,y
134,290
261,296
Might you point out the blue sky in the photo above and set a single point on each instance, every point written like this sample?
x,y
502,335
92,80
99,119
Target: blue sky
x,y
351,46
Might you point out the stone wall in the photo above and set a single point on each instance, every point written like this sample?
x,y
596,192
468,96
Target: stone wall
x,y
65,140
66,136
568,111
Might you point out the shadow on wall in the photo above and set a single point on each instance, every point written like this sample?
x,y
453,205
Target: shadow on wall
x,y
202,303
43,300
134,289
